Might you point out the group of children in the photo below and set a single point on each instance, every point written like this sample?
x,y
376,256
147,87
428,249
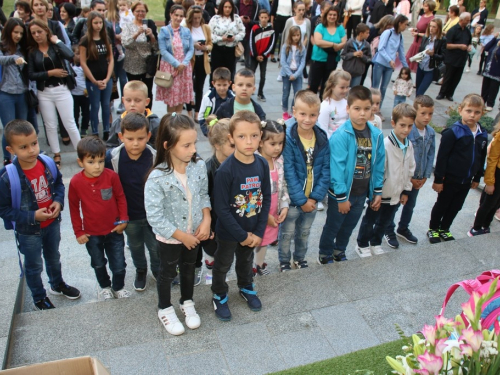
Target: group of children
x,y
263,184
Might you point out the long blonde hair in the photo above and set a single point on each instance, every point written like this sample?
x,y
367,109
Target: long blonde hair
x,y
334,80
293,30
113,15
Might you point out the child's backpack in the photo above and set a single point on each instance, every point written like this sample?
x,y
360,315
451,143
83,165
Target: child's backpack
x,y
374,45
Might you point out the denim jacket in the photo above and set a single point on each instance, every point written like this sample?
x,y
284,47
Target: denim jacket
x,y
300,60
166,204
424,149
12,81
25,217
165,44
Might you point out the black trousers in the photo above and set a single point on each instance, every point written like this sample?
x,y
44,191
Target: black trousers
x,y
351,25
246,54
223,57
263,67
170,256
279,27
451,79
148,81
488,204
199,76
318,75
81,105
489,91
363,76
224,256
482,60
448,204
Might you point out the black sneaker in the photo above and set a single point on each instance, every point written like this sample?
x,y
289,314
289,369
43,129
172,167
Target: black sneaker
x,y
446,235
391,240
275,243
300,264
325,260
261,97
140,280
221,308
250,295
44,304
66,290
473,232
439,97
407,235
433,236
285,266
340,257
262,271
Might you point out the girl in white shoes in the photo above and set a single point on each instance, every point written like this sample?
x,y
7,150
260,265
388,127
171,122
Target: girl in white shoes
x,y
178,209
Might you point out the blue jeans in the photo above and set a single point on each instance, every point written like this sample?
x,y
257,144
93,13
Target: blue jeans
x,y
120,74
112,245
381,78
12,106
140,233
398,99
406,214
33,246
338,227
423,81
296,84
355,81
296,226
99,98
374,223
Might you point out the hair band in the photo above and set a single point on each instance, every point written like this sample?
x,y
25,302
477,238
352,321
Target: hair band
x,y
263,124
213,122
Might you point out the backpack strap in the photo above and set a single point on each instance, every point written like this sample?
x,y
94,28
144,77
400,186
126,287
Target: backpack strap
x,y
15,194
50,164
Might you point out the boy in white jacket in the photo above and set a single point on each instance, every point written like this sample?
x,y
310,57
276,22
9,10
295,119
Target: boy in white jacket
x,y
399,169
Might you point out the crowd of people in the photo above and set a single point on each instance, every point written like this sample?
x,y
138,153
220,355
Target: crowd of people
x,y
266,179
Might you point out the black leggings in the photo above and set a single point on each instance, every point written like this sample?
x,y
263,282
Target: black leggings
x,y
147,80
318,75
222,57
488,204
199,76
351,25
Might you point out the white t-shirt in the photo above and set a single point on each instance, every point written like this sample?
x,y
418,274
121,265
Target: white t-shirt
x,y
197,34
377,121
421,132
293,63
332,114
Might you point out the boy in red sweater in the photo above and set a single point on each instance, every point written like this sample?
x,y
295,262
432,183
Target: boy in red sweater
x,y
261,46
97,191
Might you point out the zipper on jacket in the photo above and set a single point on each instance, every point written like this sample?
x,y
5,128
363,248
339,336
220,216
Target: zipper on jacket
x,y
473,154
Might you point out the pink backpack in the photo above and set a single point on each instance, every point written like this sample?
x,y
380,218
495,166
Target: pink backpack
x,y
374,45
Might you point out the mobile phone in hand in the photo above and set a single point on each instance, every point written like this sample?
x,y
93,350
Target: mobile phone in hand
x,y
144,24
202,42
229,35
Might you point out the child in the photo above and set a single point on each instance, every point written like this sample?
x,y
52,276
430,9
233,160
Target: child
x,y
293,61
459,167
270,148
399,168
243,87
423,140
307,174
135,99
476,35
242,200
98,193
376,99
132,160
216,96
178,209
218,136
37,222
403,86
357,54
126,14
261,45
484,40
357,172
80,95
490,197
332,112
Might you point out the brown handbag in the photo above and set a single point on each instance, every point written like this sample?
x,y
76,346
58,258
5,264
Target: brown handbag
x,y
163,79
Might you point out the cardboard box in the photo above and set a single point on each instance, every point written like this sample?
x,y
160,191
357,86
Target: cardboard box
x,y
71,366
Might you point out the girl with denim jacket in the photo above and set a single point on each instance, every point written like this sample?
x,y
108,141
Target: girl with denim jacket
x,y
176,48
178,209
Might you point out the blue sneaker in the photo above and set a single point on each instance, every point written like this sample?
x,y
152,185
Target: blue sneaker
x,y
221,308
250,296
325,259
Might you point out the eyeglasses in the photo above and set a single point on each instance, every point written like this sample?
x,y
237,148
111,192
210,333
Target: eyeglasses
x,y
139,11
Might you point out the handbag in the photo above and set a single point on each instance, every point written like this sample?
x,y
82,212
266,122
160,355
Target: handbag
x,y
239,50
163,79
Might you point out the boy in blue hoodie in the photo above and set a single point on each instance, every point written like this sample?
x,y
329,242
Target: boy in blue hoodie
x,y
357,160
307,174
459,167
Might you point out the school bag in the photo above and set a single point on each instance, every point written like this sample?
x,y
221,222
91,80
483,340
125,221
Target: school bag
x,y
376,41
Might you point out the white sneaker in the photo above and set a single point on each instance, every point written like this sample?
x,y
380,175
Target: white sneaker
x,y
320,206
122,293
280,78
192,318
363,252
377,250
489,109
467,70
106,293
208,277
170,321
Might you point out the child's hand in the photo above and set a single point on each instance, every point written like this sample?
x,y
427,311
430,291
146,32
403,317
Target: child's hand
x,y
292,78
260,58
43,214
203,231
256,241
415,183
489,189
271,221
395,92
282,216
190,241
309,206
83,239
423,181
55,209
474,185
344,207
438,188
248,241
403,199
375,205
119,228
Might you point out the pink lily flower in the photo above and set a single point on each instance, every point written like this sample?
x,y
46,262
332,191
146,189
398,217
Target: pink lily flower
x,y
466,350
430,362
473,338
441,345
441,322
429,333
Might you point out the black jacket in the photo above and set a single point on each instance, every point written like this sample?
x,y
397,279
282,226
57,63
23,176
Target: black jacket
x,y
439,51
255,9
36,68
379,10
226,110
212,166
81,29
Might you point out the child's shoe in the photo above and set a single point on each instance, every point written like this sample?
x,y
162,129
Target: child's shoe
x,y
106,293
285,266
433,236
44,304
286,116
446,235
377,250
261,97
363,252
473,232
300,264
262,270
140,280
221,307
66,290
320,206
192,318
170,321
407,235
122,293
391,240
208,275
339,257
325,259
197,276
250,295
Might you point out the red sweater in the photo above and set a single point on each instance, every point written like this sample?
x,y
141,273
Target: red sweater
x,y
101,200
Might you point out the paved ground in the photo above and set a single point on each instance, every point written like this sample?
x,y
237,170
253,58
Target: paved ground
x,y
308,315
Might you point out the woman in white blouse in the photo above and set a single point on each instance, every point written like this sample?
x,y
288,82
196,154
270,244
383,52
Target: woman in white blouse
x,y
227,30
354,8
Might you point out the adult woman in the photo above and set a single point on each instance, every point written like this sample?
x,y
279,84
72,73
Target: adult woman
x,y
47,66
281,11
14,81
453,14
298,19
96,59
68,12
353,9
202,41
24,11
391,44
479,15
329,39
434,46
419,32
140,43
491,74
227,30
176,48
41,11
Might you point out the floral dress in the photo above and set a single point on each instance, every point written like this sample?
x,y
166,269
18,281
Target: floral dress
x,y
181,90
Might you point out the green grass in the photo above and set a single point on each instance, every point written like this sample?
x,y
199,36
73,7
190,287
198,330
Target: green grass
x,y
372,359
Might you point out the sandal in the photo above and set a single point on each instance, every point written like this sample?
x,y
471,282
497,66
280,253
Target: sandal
x,y
66,141
57,160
